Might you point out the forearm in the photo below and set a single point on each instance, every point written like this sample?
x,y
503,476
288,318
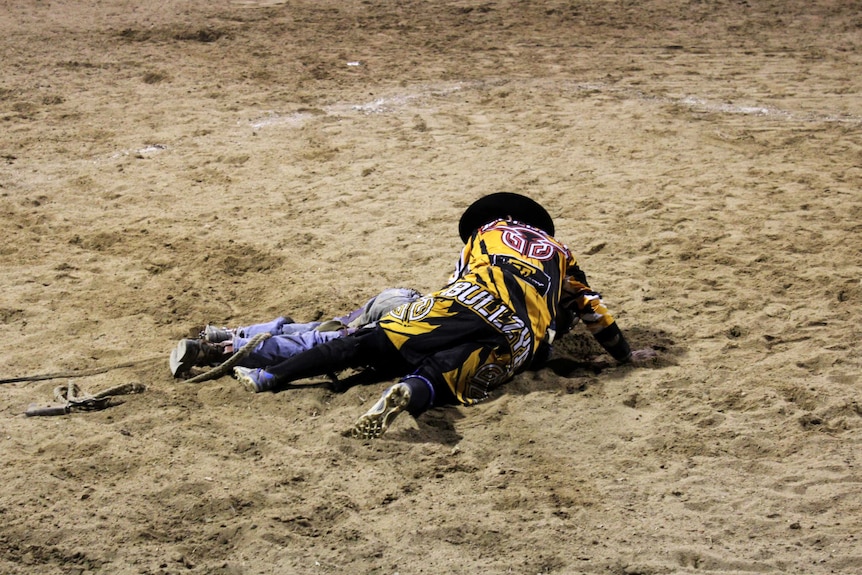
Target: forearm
x,y
612,339
587,306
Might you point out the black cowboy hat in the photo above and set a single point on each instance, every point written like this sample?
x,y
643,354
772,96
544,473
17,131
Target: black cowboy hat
x,y
504,205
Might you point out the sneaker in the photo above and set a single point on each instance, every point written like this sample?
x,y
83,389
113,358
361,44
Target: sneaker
x,y
254,379
194,352
215,334
377,419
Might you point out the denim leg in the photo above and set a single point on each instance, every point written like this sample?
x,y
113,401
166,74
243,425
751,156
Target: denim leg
x,y
278,326
281,347
293,328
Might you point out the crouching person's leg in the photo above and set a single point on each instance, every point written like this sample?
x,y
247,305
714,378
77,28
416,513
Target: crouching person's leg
x,y
414,394
462,374
363,348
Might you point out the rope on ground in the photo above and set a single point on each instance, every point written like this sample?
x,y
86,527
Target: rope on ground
x,y
227,367
82,373
69,398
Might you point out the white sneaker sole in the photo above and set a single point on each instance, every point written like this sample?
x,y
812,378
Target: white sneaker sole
x,y
243,375
378,419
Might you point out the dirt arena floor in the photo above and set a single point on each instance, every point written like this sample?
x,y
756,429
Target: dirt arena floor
x,y
169,164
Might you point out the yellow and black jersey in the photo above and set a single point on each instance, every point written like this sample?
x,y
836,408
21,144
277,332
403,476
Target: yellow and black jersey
x,y
522,265
542,282
500,304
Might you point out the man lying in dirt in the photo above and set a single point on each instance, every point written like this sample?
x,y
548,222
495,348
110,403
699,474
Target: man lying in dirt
x,y
215,345
514,288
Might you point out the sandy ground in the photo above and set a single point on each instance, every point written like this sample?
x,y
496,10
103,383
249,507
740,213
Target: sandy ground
x,y
168,164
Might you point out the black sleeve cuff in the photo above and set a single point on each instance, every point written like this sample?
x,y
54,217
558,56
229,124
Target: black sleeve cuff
x,y
614,342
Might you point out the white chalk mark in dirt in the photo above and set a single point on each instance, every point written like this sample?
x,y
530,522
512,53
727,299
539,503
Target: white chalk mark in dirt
x,y
259,3
294,119
393,104
148,150
386,105
724,108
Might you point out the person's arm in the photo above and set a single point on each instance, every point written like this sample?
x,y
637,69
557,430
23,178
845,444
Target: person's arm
x,y
585,304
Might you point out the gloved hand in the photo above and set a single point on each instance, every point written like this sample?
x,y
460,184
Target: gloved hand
x,y
642,356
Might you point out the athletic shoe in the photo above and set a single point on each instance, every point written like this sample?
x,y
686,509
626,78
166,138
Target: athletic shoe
x,y
256,380
215,334
377,419
194,352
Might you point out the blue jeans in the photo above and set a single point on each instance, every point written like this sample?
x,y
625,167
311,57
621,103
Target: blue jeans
x,y
288,339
